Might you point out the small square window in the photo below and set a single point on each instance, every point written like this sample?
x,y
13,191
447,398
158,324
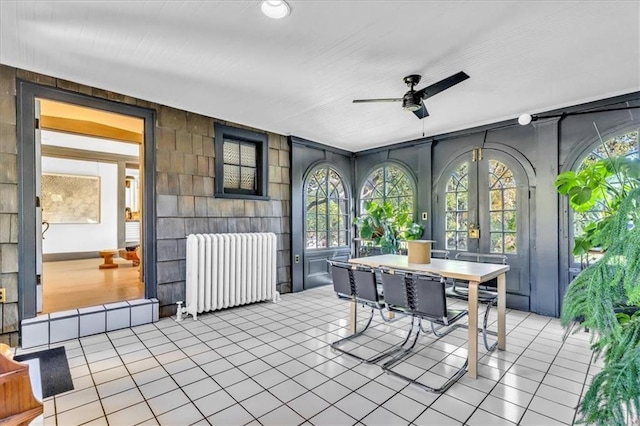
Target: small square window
x,y
241,163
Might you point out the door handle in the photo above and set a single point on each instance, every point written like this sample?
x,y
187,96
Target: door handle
x,y
474,233
47,224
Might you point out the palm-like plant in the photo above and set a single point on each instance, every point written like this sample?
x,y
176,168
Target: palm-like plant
x,y
605,296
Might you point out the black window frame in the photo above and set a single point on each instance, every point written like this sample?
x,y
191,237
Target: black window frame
x,y
242,136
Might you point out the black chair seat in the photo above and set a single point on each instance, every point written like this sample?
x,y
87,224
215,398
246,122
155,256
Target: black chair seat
x,y
423,297
454,315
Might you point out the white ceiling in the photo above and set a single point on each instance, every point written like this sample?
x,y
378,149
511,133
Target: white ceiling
x,y
298,76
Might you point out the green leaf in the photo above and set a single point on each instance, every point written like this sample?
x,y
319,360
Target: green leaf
x,y
565,181
580,198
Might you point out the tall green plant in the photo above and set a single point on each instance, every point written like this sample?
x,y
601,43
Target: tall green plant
x,y
386,225
606,297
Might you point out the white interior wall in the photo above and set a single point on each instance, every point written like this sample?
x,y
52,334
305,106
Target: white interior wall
x,y
73,238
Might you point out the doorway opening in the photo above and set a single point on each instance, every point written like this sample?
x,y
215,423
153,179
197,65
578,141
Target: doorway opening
x,y
89,174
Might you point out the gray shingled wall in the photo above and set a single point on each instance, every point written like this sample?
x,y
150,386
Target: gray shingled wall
x,y
185,204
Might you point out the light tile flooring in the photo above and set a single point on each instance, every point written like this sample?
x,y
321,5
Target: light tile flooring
x,y
270,364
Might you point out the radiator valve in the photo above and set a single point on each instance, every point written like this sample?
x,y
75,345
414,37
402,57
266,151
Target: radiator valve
x,y
179,312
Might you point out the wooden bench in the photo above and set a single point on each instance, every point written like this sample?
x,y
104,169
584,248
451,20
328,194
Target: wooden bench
x,y
18,406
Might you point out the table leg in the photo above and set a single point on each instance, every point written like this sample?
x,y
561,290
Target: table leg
x,y
502,312
473,330
353,317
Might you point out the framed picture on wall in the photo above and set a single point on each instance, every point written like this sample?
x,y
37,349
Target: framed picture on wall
x,y
70,198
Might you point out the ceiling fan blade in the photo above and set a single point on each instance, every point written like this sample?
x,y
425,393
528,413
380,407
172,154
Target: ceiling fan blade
x,y
438,87
360,101
422,112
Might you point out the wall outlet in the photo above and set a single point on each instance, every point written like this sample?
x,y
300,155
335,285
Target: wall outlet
x,y
3,297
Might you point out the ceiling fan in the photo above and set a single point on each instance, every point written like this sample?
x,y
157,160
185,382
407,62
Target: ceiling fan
x,y
412,100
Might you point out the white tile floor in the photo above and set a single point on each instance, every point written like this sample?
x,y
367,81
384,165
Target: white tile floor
x,y
270,364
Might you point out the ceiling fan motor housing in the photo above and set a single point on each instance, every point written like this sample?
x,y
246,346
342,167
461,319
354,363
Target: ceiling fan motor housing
x,y
411,102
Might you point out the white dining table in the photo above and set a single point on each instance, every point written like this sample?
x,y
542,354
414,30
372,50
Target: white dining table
x,y
473,272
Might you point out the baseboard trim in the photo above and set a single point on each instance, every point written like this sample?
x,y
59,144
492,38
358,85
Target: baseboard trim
x,y
58,257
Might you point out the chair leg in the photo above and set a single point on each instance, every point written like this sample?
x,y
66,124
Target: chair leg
x,y
449,329
393,349
386,367
389,320
485,332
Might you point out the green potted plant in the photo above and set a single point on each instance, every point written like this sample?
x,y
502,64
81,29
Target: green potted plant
x,y
605,297
385,225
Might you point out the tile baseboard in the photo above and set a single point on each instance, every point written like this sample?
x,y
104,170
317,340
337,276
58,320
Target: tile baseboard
x,y
60,326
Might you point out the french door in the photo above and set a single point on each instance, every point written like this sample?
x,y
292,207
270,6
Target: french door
x,y
482,204
327,224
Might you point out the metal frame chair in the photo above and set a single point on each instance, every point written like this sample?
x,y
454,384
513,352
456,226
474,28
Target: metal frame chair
x,y
363,289
423,297
485,294
440,254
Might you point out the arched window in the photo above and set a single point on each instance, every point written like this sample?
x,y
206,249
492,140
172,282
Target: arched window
x,y
389,183
327,209
502,208
457,209
621,145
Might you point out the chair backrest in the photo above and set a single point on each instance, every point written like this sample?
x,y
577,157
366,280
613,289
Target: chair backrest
x,y
342,280
364,280
440,254
394,289
427,297
484,258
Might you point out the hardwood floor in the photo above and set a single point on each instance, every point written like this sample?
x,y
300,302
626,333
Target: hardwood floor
x,y
80,283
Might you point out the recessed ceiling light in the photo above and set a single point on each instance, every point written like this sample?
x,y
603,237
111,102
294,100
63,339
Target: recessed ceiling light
x,y
275,9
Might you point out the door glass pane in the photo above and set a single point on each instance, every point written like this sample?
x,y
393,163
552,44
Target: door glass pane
x,y
451,239
462,241
312,223
496,242
463,200
510,242
503,209
510,221
463,223
509,199
327,209
496,221
451,222
457,209
333,239
496,199
311,240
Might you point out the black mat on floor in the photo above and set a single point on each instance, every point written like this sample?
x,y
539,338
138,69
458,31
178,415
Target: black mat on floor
x,y
54,370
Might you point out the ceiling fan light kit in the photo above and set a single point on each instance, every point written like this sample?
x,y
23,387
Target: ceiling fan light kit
x,y
413,100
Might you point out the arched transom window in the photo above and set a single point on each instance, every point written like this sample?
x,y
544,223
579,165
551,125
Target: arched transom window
x,y
327,209
457,209
621,145
502,208
389,183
